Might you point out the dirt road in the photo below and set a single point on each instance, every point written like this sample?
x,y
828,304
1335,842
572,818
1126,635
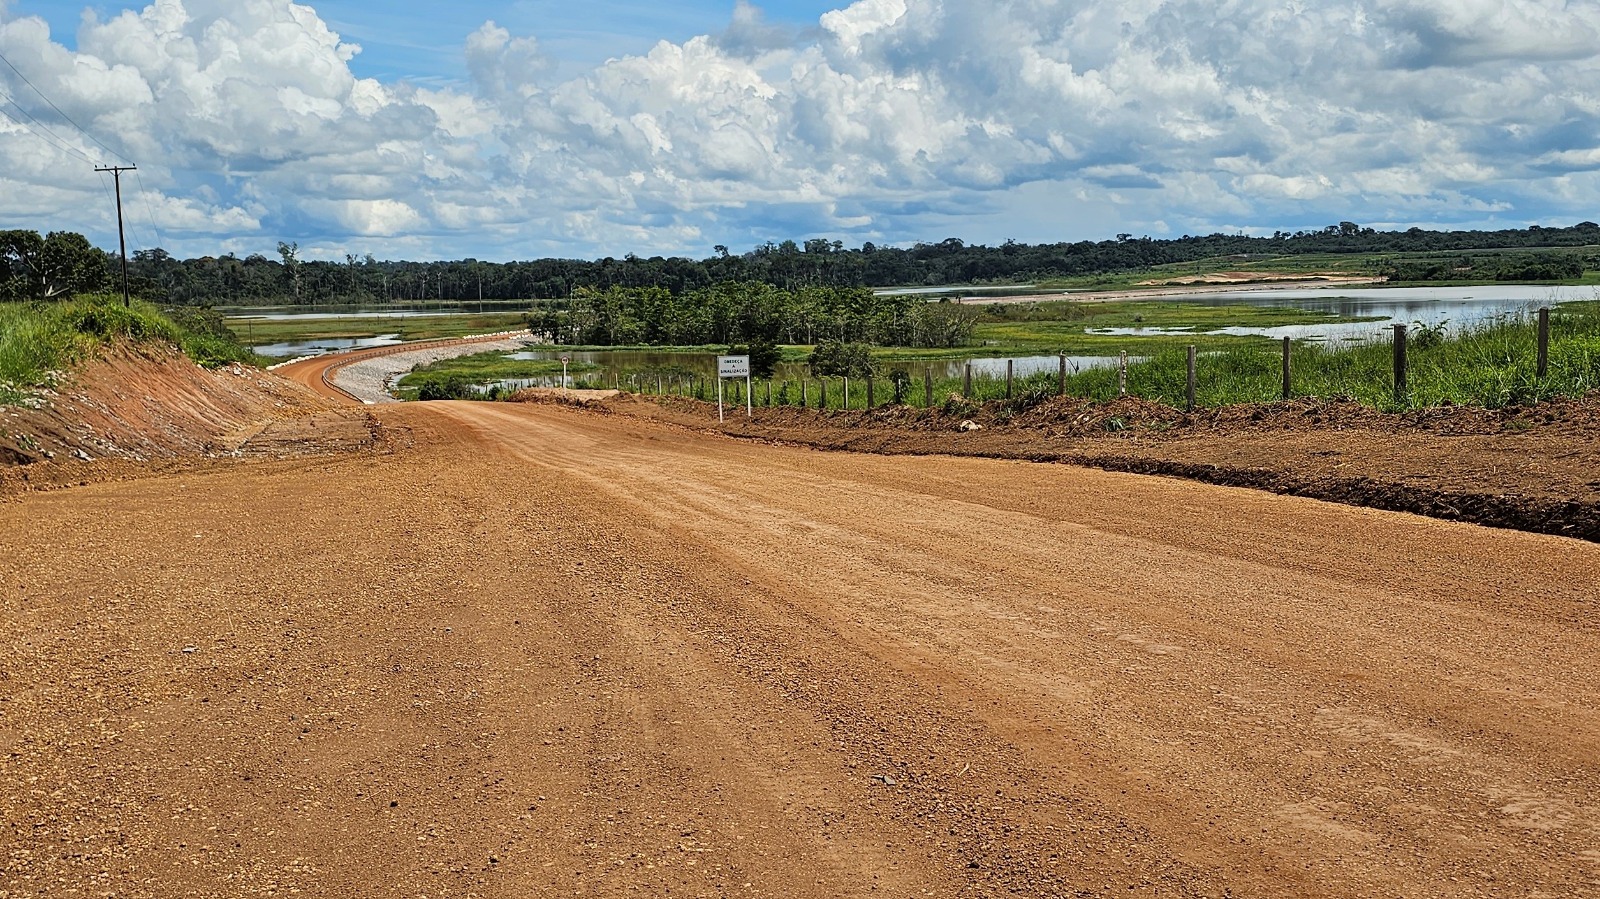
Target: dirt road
x,y
544,652
321,373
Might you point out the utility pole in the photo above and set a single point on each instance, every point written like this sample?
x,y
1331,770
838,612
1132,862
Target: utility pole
x,y
116,175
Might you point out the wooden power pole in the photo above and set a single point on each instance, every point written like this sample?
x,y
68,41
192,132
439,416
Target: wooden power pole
x,y
116,174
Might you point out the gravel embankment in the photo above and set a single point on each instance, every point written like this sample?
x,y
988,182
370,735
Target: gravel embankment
x,y
370,379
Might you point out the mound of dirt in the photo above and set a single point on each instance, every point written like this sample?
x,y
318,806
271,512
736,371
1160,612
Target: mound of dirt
x,y
589,399
1533,468
138,404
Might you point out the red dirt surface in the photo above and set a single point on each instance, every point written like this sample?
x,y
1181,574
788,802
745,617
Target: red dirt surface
x,y
136,405
530,650
1528,468
506,650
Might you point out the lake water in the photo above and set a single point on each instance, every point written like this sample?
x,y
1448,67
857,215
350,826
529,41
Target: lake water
x,y
324,345
986,291
1453,307
704,365
1456,307
401,310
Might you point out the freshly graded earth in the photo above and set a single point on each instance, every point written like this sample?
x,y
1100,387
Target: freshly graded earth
x,y
510,650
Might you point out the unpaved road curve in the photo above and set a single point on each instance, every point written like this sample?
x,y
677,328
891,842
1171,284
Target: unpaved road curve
x,y
546,652
318,372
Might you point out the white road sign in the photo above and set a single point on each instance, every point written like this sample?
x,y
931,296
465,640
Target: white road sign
x,y
733,366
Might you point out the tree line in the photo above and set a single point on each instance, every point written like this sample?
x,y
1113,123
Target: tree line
x,y
34,266
750,312
1518,267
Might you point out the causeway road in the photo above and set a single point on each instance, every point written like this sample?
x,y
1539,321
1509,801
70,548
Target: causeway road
x,y
539,651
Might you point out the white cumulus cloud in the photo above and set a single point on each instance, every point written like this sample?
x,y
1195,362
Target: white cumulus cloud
x,y
891,120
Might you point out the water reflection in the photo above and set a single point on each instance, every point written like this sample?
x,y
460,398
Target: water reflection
x,y
1455,308
324,345
650,363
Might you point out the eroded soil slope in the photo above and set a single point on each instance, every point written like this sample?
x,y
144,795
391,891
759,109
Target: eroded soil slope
x,y
140,409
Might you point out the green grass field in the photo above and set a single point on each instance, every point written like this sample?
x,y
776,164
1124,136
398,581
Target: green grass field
x,y
1491,366
482,368
262,332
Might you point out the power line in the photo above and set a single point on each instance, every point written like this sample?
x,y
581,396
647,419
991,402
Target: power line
x,y
56,141
81,129
145,195
116,173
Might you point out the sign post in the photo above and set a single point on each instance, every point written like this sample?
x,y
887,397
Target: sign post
x,y
733,367
564,361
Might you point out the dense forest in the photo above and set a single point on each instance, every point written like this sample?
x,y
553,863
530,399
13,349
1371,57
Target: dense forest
x,y
32,266
751,312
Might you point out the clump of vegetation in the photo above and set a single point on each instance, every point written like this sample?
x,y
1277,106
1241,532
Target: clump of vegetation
x,y
836,358
1492,365
764,356
39,340
450,387
475,376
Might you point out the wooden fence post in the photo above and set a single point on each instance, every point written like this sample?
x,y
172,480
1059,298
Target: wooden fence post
x,y
1286,382
1544,342
844,394
804,400
1009,370
927,385
1191,367
1400,388
1061,377
822,393
871,397
966,382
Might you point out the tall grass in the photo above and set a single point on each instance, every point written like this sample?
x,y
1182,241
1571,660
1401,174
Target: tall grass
x,y
38,340
1491,365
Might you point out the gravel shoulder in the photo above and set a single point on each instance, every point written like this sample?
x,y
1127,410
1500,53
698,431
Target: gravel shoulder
x,y
372,379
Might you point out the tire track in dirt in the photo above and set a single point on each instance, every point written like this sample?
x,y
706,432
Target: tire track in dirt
x,y
535,651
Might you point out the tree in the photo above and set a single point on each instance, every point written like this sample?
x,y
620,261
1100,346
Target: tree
x,y
291,266
59,264
834,357
764,357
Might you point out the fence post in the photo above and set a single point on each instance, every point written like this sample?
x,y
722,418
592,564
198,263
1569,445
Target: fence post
x,y
1286,382
769,393
1190,404
871,397
822,393
1122,375
1061,376
927,385
966,382
1400,364
1544,341
844,395
1009,370
804,400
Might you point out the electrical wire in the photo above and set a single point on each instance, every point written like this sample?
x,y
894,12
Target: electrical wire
x,y
145,195
81,129
54,140
111,201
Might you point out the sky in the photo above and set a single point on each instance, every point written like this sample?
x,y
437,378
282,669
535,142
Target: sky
x,y
497,131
